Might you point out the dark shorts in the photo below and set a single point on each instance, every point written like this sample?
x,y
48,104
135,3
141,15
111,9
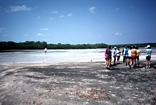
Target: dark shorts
x,y
128,57
148,57
109,56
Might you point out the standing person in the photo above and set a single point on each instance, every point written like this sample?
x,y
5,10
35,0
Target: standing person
x,y
111,56
128,56
114,55
137,55
133,57
148,56
123,54
45,51
108,55
118,54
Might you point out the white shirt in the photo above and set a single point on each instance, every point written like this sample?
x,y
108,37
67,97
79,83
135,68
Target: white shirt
x,y
118,52
45,49
129,53
114,52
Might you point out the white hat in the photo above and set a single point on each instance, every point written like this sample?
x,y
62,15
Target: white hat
x,y
114,47
148,46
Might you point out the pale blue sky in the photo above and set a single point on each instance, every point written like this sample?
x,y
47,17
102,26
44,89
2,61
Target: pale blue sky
x,y
78,21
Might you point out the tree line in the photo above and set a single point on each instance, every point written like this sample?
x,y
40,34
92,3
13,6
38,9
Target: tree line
x,y
136,44
41,45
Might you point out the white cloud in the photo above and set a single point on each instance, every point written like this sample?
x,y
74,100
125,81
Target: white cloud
x,y
117,9
61,16
39,17
92,9
69,15
5,35
51,18
20,8
39,34
54,11
100,36
25,35
44,29
1,29
0,8
118,33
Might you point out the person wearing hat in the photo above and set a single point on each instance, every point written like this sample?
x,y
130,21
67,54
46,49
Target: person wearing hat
x,y
148,56
114,55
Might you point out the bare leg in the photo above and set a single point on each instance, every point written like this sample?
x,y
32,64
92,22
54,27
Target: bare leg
x,y
114,60
109,62
127,61
134,62
106,62
130,63
138,62
147,63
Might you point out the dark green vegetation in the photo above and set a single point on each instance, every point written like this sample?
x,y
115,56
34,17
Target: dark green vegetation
x,y
42,45
137,44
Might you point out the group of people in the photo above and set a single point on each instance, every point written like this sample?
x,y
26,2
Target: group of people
x,y
130,56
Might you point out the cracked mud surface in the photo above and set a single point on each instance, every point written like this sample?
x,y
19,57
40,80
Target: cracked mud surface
x,y
76,83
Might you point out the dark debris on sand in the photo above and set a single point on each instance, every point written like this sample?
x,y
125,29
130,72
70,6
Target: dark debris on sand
x,y
78,83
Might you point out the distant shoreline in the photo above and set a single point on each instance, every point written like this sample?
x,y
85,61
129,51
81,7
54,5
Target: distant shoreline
x,y
41,45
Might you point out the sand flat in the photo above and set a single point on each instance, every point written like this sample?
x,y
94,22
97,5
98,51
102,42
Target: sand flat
x,y
75,83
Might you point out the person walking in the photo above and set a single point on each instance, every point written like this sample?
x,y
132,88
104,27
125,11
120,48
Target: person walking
x,y
108,55
123,54
118,54
148,56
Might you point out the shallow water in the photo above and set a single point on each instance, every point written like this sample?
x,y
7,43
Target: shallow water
x,y
55,55
52,55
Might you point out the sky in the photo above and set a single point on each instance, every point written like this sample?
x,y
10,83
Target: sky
x,y
78,21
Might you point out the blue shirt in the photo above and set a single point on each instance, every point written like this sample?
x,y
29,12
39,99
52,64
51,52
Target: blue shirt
x,y
126,52
148,52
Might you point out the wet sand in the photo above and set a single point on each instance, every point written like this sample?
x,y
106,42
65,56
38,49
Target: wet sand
x,y
76,83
